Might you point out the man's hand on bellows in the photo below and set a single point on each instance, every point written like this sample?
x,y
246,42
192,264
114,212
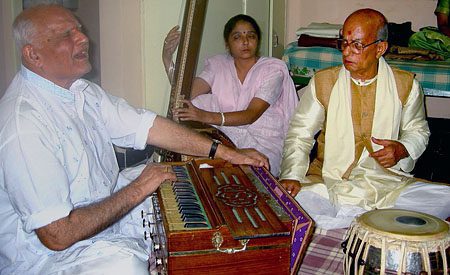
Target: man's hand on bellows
x,y
152,176
291,186
249,157
391,154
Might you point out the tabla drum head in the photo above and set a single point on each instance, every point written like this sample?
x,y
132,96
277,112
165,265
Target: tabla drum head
x,y
404,224
396,241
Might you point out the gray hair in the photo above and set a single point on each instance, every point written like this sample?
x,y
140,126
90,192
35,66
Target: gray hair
x,y
24,31
383,32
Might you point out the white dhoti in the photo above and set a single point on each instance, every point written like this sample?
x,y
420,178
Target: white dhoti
x,y
102,257
429,198
120,249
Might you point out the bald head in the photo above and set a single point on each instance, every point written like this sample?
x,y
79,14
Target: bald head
x,y
370,20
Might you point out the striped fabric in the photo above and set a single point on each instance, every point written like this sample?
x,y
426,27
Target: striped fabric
x,y
434,76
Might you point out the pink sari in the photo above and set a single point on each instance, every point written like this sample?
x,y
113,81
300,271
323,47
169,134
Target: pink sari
x,y
268,80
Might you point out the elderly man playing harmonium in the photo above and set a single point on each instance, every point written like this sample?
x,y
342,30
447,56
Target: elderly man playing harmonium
x,y
62,206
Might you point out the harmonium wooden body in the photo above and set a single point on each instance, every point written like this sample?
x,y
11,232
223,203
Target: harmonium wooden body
x,y
220,218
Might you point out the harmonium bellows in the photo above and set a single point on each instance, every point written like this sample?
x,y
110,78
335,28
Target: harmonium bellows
x,y
220,218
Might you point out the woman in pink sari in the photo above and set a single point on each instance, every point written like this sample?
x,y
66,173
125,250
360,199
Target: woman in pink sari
x,y
248,97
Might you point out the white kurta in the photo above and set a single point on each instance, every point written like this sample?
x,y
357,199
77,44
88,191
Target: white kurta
x,y
56,154
369,185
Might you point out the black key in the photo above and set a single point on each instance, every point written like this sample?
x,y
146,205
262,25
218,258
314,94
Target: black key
x,y
194,219
183,192
187,201
186,190
195,225
192,215
188,196
178,168
183,189
190,207
191,211
182,184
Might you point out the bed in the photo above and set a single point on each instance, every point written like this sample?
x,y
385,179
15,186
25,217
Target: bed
x,y
302,62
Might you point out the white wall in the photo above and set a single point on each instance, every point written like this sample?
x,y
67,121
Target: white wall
x,y
158,18
120,49
9,58
302,12
88,14
3,83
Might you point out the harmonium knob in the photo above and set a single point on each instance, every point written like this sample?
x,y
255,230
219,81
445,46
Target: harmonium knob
x,y
148,235
146,223
145,214
156,247
159,262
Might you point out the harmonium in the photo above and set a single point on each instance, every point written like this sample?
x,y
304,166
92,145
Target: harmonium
x,y
220,218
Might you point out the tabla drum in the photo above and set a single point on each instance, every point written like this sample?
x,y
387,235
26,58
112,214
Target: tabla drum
x,y
395,241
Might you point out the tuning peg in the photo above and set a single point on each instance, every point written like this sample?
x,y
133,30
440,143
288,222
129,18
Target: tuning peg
x,y
144,214
147,223
150,235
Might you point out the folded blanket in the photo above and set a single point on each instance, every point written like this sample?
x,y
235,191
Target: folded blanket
x,y
305,40
407,53
320,30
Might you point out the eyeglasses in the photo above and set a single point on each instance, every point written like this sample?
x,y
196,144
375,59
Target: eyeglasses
x,y
355,46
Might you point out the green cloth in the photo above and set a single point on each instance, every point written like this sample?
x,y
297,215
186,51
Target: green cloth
x,y
429,38
443,6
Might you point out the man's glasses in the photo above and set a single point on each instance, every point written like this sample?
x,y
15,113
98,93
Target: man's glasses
x,y
355,46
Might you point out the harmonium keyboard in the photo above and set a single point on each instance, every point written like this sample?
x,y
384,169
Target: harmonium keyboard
x,y
220,218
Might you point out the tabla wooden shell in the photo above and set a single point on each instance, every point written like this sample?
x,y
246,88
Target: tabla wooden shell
x,y
395,241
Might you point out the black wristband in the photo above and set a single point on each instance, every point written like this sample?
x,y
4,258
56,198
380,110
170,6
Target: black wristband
x,y
212,151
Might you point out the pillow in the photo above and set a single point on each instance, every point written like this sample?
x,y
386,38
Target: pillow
x,y
320,30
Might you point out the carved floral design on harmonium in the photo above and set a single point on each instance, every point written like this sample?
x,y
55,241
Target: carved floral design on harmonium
x,y
222,218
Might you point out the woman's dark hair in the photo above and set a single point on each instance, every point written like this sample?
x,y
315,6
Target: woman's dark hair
x,y
229,26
